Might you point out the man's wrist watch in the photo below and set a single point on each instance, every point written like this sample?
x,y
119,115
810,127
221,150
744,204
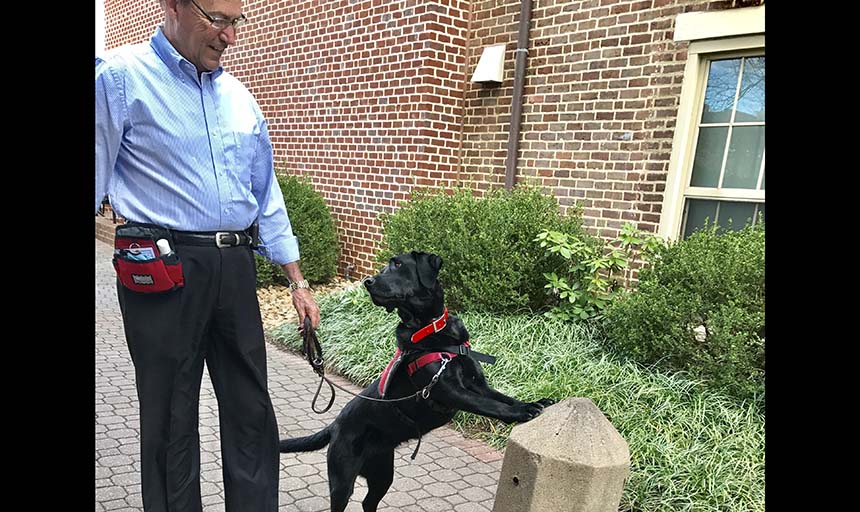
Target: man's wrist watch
x,y
295,285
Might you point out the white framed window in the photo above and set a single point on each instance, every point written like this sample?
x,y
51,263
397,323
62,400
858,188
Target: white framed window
x,y
717,167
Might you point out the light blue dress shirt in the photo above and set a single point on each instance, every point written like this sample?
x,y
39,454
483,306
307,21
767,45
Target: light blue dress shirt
x,y
186,153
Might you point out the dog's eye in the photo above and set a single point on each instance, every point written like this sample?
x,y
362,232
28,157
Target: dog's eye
x,y
396,264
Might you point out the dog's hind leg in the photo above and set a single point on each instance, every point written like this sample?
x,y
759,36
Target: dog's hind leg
x,y
342,472
379,472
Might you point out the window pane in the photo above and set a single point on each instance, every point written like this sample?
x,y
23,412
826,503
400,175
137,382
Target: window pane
x,y
732,215
709,157
761,216
744,159
698,211
751,97
720,92
735,216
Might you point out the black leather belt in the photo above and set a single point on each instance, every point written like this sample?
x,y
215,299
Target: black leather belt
x,y
212,238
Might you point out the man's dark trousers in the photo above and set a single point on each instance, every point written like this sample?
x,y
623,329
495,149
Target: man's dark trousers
x,y
215,317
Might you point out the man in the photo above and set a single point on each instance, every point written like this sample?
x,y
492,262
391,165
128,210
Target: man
x,y
182,145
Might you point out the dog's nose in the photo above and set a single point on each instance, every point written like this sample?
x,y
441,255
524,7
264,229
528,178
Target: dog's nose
x,y
368,282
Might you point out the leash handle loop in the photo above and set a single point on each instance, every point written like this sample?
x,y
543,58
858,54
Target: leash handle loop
x,y
331,400
311,347
313,351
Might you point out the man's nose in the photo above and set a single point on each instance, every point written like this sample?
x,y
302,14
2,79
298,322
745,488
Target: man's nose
x,y
228,35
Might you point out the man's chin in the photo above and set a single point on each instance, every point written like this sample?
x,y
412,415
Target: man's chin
x,y
211,63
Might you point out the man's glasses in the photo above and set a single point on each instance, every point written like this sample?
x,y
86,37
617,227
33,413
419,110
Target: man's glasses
x,y
221,23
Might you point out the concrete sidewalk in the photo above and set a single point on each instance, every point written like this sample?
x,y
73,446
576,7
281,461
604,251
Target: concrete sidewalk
x,y
450,473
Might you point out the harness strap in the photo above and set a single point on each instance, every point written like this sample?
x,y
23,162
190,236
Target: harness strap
x,y
466,350
389,370
410,423
426,359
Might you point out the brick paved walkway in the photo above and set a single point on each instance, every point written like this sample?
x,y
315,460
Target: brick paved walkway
x,y
449,474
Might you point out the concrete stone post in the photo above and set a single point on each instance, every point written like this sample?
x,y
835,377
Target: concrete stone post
x,y
568,459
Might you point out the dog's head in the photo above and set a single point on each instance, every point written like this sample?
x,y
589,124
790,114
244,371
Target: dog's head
x,y
408,283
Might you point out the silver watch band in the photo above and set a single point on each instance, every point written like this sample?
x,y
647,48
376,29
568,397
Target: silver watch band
x,y
295,285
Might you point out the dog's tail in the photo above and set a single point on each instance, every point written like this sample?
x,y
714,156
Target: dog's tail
x,y
307,443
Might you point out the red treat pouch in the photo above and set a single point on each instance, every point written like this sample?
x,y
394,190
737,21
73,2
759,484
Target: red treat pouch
x,y
138,264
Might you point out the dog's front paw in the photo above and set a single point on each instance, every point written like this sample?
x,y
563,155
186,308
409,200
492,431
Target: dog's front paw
x,y
545,402
531,411
542,403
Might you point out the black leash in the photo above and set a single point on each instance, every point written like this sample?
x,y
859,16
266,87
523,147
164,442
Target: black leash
x,y
313,351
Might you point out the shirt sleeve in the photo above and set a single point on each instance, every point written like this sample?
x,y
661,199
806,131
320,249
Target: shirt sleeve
x,y
110,119
277,242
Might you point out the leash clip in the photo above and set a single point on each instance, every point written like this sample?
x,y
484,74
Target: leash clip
x,y
425,393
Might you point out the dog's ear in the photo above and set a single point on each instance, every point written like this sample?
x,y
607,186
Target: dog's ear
x,y
428,268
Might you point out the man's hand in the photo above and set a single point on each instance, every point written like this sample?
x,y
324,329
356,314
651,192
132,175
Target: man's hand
x,y
305,305
303,301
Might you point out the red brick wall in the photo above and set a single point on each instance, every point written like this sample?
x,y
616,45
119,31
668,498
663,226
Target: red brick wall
x,y
369,98
365,98
599,72
130,21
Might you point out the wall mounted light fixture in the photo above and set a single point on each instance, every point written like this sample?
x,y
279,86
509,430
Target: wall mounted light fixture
x,y
491,66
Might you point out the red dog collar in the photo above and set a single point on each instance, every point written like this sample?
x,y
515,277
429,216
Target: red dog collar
x,y
435,326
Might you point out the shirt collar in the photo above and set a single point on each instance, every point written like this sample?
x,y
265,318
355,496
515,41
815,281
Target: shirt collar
x,y
178,64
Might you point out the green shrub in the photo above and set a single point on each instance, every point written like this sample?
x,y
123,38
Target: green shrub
x,y
712,283
591,281
268,273
490,262
314,226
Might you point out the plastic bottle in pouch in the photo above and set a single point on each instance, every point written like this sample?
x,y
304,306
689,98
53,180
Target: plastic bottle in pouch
x,y
165,250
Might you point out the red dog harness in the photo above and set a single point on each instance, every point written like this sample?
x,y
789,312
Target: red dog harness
x,y
431,357
442,353
412,367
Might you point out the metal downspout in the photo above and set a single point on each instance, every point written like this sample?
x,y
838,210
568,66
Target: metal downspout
x,y
517,101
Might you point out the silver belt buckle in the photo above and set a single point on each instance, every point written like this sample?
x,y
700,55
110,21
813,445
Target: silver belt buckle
x,y
220,245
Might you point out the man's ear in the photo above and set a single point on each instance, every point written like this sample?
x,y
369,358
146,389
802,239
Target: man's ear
x,y
169,6
428,268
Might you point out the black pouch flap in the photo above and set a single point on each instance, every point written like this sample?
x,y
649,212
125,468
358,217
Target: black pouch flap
x,y
141,230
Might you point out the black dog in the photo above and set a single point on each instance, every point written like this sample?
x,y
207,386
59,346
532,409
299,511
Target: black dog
x,y
435,362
